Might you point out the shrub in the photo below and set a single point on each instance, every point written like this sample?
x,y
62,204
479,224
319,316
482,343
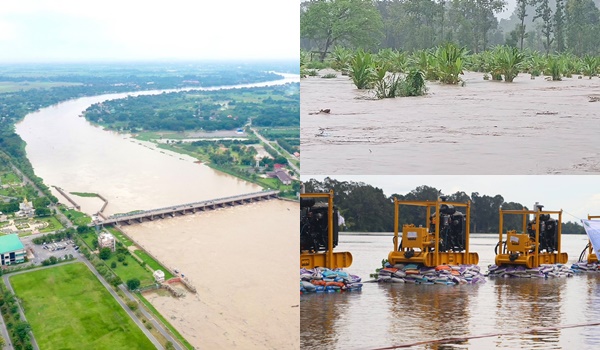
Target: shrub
x,y
132,305
133,284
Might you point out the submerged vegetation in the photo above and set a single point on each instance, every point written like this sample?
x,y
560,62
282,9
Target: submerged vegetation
x,y
441,39
392,73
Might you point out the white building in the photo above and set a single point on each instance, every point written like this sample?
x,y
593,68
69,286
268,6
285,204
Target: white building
x,y
26,209
106,240
159,276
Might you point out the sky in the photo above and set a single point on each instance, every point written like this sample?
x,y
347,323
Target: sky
x,y
92,30
576,195
511,4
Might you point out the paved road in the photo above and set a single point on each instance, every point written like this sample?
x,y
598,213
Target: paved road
x,y
296,170
158,325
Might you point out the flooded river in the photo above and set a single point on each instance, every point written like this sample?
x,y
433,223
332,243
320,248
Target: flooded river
x,y
486,127
388,315
67,151
233,255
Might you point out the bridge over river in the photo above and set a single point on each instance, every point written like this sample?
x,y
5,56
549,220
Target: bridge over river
x,y
189,208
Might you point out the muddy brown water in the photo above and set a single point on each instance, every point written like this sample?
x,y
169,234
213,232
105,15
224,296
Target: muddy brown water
x,y
386,315
485,127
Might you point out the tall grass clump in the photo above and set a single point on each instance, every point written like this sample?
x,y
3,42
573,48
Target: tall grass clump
x,y
394,85
554,68
450,60
340,59
508,61
425,61
397,61
590,65
362,70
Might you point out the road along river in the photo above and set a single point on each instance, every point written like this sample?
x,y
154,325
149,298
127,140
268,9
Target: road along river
x,y
218,250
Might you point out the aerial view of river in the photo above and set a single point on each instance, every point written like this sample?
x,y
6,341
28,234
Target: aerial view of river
x,y
484,127
499,311
68,152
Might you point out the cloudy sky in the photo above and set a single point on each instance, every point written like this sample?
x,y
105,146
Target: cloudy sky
x,y
578,195
75,30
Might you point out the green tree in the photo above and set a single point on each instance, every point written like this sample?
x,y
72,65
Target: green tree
x,y
521,14
353,23
544,12
559,25
473,20
105,253
22,330
583,26
133,284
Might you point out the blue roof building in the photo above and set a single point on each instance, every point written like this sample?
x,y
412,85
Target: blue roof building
x,y
12,250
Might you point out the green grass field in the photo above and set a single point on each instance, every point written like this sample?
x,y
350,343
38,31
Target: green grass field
x,y
121,237
153,264
54,224
132,270
78,218
68,308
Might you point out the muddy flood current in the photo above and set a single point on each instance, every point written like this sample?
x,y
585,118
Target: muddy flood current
x,y
240,259
504,313
484,127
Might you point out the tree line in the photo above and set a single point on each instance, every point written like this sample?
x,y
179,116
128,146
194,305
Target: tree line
x,y
410,25
367,209
200,110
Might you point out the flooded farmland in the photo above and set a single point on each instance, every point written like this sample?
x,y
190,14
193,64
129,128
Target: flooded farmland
x,y
484,127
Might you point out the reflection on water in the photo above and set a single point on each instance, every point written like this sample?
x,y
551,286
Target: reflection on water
x,y
517,313
409,302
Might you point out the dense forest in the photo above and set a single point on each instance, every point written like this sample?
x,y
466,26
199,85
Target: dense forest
x,y
550,26
271,106
367,209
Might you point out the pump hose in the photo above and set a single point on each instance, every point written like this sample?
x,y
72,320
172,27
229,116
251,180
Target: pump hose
x,y
582,255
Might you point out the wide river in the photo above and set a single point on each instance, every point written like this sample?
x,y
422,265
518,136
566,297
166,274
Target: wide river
x,y
229,310
69,152
386,315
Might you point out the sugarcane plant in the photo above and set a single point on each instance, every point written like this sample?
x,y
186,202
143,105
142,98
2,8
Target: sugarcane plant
x,y
508,61
340,59
362,69
450,60
590,65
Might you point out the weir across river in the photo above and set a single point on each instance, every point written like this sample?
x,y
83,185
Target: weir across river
x,y
189,208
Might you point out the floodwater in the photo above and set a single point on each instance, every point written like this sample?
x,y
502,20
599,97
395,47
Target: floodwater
x,y
67,151
238,258
486,127
500,310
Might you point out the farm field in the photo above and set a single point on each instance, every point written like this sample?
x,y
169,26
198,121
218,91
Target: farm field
x,y
68,308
